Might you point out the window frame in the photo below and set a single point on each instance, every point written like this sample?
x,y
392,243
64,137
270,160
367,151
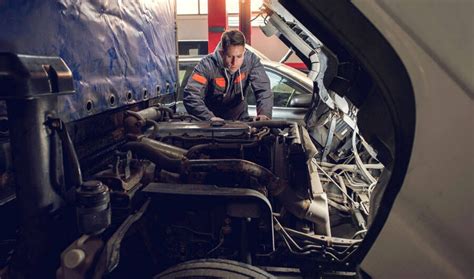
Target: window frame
x,y
188,14
303,89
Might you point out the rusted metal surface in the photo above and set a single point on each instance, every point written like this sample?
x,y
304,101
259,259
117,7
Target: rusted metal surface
x,y
118,182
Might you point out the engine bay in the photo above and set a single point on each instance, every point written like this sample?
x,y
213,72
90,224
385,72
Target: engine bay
x,y
258,193
140,190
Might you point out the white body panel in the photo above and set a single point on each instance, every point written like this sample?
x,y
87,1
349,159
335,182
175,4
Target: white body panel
x,y
430,228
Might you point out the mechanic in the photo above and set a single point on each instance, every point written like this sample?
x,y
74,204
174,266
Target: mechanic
x,y
215,89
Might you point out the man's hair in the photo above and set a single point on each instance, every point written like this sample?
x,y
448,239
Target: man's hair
x,y
232,38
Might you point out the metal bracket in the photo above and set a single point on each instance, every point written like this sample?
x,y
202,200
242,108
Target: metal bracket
x,y
28,77
109,259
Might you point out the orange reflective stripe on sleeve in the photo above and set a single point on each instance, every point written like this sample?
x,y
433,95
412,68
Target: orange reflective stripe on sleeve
x,y
197,77
239,78
220,81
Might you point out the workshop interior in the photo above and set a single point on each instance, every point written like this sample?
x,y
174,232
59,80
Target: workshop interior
x,y
103,176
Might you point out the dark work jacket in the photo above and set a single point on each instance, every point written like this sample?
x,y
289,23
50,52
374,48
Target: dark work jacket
x,y
212,91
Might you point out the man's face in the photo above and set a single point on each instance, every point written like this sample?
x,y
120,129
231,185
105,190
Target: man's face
x,y
233,58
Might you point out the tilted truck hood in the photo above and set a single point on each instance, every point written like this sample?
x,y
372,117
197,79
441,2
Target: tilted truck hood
x,y
349,56
389,54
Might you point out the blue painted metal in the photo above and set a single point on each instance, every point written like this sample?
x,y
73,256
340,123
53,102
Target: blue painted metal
x,y
112,47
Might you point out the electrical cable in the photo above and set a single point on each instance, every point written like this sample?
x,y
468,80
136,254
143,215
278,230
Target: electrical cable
x,y
358,160
332,180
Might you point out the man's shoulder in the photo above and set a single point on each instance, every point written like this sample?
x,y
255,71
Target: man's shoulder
x,y
250,55
251,58
208,62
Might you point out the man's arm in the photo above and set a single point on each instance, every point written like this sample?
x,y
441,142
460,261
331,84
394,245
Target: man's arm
x,y
261,88
193,95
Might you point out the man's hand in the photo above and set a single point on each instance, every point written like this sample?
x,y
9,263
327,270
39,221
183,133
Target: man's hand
x,y
215,118
261,117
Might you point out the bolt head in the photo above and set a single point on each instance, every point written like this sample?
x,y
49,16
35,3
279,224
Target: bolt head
x,y
73,258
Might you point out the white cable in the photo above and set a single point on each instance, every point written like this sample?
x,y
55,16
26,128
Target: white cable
x,y
332,180
358,160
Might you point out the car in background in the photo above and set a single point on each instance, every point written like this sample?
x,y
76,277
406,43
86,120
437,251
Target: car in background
x,y
292,89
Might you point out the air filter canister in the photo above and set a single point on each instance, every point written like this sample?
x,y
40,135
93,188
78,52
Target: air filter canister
x,y
93,207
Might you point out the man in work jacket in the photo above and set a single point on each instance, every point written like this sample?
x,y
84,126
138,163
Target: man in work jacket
x,y
215,90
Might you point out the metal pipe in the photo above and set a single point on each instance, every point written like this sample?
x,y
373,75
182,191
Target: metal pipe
x,y
338,206
151,113
135,120
168,150
343,188
155,155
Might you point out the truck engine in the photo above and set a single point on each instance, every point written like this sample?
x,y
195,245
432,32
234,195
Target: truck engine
x,y
249,192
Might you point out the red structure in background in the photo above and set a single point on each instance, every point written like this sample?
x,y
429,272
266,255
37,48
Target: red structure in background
x,y
245,14
216,22
298,65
